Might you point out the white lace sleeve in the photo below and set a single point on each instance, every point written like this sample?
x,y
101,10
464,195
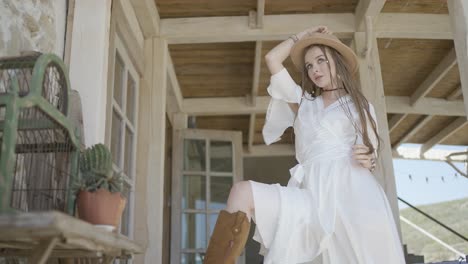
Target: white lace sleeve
x,y
283,90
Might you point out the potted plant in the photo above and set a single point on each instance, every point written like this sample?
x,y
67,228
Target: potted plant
x,y
99,195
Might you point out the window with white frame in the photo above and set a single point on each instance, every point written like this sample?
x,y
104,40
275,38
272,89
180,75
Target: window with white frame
x,y
123,125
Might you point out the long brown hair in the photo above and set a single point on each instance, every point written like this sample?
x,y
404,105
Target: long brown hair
x,y
346,80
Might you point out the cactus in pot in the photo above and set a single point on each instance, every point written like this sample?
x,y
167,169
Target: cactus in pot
x,y
100,199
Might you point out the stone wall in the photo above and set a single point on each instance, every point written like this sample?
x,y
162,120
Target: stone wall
x,y
32,25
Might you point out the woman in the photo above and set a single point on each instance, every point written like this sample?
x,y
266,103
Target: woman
x,y
333,207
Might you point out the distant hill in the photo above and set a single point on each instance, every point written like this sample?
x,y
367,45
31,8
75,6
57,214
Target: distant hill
x,y
453,214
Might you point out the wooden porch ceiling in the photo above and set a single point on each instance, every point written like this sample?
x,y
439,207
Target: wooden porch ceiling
x,y
421,74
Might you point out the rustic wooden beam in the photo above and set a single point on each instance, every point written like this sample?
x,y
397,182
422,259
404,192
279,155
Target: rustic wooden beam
x,y
454,94
148,16
395,120
367,8
444,134
236,28
260,12
278,27
413,26
426,106
415,129
434,77
174,94
458,11
242,106
402,153
269,151
256,71
251,132
370,76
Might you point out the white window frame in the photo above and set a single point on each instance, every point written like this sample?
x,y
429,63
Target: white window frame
x,y
178,171
118,47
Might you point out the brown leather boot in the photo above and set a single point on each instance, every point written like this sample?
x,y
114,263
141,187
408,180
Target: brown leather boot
x,y
229,237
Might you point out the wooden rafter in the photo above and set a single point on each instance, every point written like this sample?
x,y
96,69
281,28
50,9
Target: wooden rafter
x,y
434,77
288,150
426,106
394,121
277,27
175,91
260,12
367,8
251,132
270,151
458,10
443,134
454,94
148,16
421,123
254,94
241,106
413,26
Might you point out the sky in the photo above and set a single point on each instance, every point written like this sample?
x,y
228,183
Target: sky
x,y
417,191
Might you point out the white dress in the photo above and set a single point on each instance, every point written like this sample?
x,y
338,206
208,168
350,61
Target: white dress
x,y
333,210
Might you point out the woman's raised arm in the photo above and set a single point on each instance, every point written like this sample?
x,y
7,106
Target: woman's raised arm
x,y
275,57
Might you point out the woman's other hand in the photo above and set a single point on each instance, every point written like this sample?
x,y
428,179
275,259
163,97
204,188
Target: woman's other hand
x,y
365,160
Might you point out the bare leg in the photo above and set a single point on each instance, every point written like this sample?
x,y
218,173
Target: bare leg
x,y
241,199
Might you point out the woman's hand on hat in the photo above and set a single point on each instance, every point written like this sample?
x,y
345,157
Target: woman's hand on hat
x,y
318,29
360,155
309,31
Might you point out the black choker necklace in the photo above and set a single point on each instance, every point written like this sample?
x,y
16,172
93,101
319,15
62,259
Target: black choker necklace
x,y
331,89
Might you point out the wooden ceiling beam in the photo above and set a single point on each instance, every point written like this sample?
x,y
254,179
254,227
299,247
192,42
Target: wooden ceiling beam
x,y
413,26
236,28
421,123
241,106
260,12
367,8
454,94
174,91
395,121
434,77
458,11
148,16
444,134
278,27
288,150
427,106
270,151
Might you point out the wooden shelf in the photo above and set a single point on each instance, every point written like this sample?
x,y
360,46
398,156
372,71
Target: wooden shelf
x,y
43,235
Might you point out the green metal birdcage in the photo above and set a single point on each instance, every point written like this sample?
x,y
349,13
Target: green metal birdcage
x,y
39,143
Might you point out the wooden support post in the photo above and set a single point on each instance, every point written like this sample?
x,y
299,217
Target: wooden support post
x,y
458,10
180,121
155,186
150,167
372,87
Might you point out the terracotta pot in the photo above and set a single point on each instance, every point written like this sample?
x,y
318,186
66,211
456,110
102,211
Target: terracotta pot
x,y
101,207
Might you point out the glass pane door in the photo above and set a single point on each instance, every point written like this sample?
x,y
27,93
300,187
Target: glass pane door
x,y
206,164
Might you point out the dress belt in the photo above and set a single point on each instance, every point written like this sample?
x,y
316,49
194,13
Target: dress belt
x,y
298,172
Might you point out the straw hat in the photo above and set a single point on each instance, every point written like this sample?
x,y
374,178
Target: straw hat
x,y
297,51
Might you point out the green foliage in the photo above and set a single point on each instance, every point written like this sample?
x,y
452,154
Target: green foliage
x,y
96,171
